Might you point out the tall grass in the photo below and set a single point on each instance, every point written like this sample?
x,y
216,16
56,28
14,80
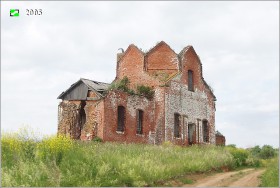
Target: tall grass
x,y
271,176
59,161
111,164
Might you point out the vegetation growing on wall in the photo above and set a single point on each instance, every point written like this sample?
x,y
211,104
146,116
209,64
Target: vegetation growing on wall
x,y
161,75
123,85
145,91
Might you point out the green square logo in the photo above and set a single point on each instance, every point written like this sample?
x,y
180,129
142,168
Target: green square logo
x,y
14,12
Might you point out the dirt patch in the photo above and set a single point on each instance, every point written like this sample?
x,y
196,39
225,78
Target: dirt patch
x,y
180,181
242,178
250,180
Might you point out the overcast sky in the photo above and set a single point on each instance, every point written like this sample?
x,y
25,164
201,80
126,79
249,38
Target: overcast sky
x,y
237,42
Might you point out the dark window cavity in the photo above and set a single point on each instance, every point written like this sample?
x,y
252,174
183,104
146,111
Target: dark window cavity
x,y
81,120
190,80
191,133
176,125
121,118
139,122
205,128
82,115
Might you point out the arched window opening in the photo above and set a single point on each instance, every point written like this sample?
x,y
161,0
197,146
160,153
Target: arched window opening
x,y
190,80
121,118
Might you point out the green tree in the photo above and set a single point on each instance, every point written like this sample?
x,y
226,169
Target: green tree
x,y
267,152
255,151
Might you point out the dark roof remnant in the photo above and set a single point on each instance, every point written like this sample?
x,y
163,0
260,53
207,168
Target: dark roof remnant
x,y
218,133
79,90
94,85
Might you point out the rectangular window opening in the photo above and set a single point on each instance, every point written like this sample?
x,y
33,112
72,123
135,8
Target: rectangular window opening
x,y
191,133
190,80
177,125
139,122
205,131
121,118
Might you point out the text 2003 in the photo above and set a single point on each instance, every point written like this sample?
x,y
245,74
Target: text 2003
x,y
34,12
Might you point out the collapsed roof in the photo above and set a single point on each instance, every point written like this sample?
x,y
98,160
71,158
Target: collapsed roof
x,y
79,90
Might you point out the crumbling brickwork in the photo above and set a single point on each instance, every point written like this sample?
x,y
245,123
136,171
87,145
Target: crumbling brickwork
x,y
220,139
68,119
81,119
181,111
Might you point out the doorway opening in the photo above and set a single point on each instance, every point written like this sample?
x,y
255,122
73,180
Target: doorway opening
x,y
205,127
81,118
191,133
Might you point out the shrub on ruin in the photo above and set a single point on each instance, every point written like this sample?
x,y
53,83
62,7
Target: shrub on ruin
x,y
122,85
145,91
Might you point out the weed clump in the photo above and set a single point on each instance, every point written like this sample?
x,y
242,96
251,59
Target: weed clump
x,y
122,85
145,91
97,139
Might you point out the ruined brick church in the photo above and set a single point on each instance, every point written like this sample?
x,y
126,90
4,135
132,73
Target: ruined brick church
x,y
180,110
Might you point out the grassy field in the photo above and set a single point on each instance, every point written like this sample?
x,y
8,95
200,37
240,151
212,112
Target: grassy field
x,y
59,161
271,176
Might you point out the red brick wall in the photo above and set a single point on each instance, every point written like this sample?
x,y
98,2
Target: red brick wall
x,y
220,140
94,120
101,117
68,118
132,66
131,104
161,58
